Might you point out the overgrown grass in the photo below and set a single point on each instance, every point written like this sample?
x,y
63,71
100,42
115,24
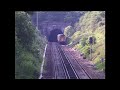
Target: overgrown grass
x,y
100,65
91,23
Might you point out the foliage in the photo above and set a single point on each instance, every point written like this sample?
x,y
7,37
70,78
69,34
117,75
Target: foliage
x,y
30,12
25,31
75,35
86,50
29,47
68,31
91,23
59,16
83,41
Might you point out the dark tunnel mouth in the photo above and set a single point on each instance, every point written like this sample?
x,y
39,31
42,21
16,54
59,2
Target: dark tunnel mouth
x,y
53,35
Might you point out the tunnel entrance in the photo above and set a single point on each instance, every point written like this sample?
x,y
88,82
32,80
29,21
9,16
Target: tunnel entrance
x,y
53,35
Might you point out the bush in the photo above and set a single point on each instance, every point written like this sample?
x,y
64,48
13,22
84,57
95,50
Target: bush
x,y
86,50
28,65
29,48
100,66
24,29
68,31
75,35
68,40
83,41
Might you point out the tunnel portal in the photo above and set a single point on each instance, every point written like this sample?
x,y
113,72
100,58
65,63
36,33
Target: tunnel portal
x,y
53,35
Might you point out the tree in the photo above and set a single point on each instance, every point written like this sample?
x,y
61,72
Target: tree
x,y
25,30
30,12
27,43
68,31
83,41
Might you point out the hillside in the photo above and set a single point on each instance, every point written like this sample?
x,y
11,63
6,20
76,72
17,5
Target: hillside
x,y
91,23
29,47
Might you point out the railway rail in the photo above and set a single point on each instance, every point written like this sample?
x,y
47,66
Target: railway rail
x,y
61,64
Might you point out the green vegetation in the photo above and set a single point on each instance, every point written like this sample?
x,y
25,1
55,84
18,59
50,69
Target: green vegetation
x,y
29,47
91,23
68,31
74,36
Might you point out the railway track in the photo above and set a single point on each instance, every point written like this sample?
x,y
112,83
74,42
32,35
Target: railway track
x,y
81,72
88,68
61,64
68,68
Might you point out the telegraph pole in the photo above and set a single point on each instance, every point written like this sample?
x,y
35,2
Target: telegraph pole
x,y
91,52
37,20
